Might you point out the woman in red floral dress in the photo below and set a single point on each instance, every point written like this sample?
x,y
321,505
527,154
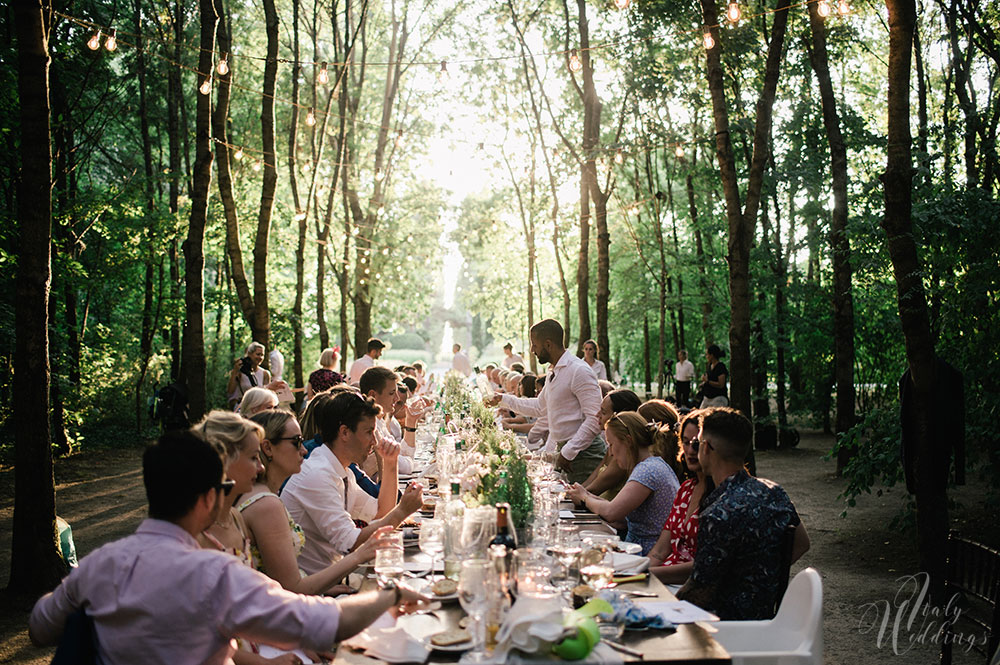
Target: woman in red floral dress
x,y
672,557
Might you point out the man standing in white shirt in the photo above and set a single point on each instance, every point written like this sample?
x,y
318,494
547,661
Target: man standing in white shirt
x,y
510,357
157,597
358,367
570,403
683,375
460,361
324,497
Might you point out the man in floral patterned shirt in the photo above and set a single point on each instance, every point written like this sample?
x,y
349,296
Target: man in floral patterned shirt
x,y
738,562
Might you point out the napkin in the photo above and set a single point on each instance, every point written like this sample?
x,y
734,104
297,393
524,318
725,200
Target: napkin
x,y
678,611
628,564
384,640
267,651
532,625
632,615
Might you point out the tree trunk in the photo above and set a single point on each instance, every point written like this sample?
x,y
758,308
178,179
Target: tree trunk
x,y
583,266
646,359
931,497
706,300
146,334
193,347
301,217
262,317
742,222
174,94
843,301
922,122
35,564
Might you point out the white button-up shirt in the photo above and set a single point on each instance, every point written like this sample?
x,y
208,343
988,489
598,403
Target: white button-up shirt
x,y
460,362
358,368
157,597
511,359
324,499
570,402
683,370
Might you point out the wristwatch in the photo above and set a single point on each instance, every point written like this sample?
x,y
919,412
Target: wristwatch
x,y
409,429
398,593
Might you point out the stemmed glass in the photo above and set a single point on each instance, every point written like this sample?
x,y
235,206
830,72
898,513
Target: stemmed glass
x,y
473,593
566,549
432,541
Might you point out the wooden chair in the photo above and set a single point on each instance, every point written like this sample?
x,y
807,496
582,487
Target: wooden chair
x,y
973,574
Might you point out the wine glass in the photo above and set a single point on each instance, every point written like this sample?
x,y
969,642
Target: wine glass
x,y
595,568
566,549
432,541
474,584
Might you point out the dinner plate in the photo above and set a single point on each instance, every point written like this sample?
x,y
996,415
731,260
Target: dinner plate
x,y
423,586
628,548
454,648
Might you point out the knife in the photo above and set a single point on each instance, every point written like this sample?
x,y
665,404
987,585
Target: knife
x,y
623,649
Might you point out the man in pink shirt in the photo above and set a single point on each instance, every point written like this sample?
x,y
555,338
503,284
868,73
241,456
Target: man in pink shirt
x,y
156,597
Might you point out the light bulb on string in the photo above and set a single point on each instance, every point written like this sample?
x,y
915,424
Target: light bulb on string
x,y
94,42
238,155
575,64
223,66
111,43
311,118
679,151
256,165
355,231
708,40
400,139
324,74
733,12
823,8
443,75
379,175
843,8
206,86
381,210
385,252
622,4
307,166
633,209
619,156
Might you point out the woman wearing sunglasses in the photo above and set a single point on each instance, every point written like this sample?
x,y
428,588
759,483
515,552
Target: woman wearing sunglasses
x,y
278,540
672,557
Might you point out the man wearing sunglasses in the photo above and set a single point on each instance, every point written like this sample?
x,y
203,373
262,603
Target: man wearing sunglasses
x,y
157,597
738,562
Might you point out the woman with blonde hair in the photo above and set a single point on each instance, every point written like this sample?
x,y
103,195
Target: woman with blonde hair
x,y
665,414
278,540
643,504
326,376
241,440
256,400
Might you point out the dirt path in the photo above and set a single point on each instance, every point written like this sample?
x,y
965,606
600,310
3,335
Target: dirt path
x,y
100,493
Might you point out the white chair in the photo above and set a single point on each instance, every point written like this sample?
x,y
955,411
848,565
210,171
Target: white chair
x,y
793,637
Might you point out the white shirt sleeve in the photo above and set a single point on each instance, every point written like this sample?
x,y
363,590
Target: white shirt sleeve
x,y
526,406
588,393
325,504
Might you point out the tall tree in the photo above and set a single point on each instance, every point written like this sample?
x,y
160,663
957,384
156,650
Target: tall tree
x,y
897,181
843,299
193,345
742,214
35,564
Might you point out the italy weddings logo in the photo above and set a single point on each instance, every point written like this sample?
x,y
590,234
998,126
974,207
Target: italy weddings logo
x,y
910,619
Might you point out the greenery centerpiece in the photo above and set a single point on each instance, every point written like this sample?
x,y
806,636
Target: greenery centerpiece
x,y
495,469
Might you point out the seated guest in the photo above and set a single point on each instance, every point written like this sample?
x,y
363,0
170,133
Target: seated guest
x,y
278,540
606,387
672,557
645,500
742,526
664,413
326,376
324,497
420,374
381,385
607,479
156,597
240,439
517,368
256,400
539,432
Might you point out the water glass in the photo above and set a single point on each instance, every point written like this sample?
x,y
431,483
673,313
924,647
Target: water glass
x,y
532,572
475,586
432,541
566,549
478,529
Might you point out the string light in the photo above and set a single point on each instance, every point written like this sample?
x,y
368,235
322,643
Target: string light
x,y
633,209
379,175
300,215
256,165
400,139
311,118
843,8
94,42
575,64
206,86
679,151
443,75
622,4
619,157
708,40
112,41
223,67
733,12
324,75
238,155
381,210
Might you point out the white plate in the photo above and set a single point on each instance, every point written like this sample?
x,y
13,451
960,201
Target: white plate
x,y
628,548
423,586
454,648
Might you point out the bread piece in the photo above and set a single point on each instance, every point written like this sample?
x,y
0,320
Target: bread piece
x,y
451,637
444,587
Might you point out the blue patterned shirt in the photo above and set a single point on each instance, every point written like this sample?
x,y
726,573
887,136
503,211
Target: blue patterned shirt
x,y
738,561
